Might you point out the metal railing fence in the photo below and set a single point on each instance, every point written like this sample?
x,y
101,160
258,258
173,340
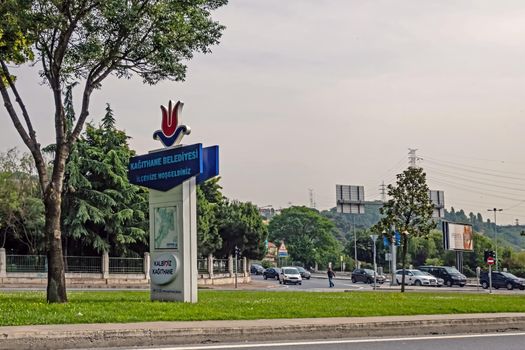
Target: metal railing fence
x,y
93,264
220,265
126,265
74,264
83,264
26,263
202,265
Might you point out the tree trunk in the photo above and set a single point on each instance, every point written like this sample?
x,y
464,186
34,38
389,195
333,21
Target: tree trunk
x,y
56,280
404,259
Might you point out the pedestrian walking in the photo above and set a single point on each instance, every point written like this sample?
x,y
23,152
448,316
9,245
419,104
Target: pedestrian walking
x,y
331,275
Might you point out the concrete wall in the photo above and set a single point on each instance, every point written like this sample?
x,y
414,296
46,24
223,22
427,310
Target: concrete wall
x,y
96,280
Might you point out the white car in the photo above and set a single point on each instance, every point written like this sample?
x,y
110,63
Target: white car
x,y
290,275
440,281
416,277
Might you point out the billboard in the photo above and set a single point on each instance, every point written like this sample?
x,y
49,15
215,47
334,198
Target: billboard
x,y
458,236
350,199
438,199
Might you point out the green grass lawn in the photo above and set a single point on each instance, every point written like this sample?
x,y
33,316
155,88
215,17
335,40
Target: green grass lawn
x,y
27,308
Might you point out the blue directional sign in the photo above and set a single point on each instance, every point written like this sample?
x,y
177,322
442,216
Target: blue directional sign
x,y
166,169
210,160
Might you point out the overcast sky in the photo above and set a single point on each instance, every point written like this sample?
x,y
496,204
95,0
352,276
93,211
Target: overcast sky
x,y
307,94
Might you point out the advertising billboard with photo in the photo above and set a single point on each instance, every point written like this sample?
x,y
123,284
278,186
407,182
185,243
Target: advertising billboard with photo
x,y
458,236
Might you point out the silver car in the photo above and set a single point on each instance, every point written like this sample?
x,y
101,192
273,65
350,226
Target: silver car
x,y
290,275
416,277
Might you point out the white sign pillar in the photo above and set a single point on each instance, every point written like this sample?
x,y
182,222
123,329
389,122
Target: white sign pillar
x,y
173,243
172,175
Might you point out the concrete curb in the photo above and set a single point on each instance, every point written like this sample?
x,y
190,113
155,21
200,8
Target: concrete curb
x,y
179,333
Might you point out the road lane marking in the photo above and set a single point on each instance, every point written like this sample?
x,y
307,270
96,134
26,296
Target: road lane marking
x,y
328,342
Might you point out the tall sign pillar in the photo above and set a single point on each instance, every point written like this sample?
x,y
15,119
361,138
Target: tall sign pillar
x,y
351,200
173,243
172,175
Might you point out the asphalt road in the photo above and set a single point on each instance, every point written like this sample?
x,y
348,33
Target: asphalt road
x,y
322,283
317,283
507,341
344,283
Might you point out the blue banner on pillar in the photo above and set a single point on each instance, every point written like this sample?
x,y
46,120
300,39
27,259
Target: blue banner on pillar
x,y
166,169
210,160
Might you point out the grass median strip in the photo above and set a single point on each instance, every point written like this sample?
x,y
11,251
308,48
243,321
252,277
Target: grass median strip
x,y
29,308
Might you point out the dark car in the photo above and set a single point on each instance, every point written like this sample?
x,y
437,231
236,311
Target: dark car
x,y
366,276
450,275
256,269
272,272
305,274
501,280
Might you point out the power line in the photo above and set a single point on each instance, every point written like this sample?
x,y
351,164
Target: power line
x,y
463,187
402,160
482,159
470,180
469,168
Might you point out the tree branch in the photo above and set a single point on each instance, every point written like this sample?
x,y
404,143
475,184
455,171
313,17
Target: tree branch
x,y
21,104
31,143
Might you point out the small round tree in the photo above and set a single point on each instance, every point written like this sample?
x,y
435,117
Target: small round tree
x,y
409,210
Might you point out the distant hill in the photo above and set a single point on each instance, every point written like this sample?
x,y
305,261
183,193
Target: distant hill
x,y
509,235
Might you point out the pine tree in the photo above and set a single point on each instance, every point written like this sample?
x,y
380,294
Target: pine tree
x,y
102,209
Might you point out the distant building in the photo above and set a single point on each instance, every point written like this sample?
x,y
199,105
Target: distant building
x,y
271,254
269,213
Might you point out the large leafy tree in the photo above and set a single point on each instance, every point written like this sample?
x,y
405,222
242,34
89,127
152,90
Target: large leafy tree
x,y
209,203
223,225
241,225
87,41
15,40
21,209
309,236
409,210
101,209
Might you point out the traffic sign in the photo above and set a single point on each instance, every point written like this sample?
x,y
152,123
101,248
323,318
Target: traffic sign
x,y
490,260
282,252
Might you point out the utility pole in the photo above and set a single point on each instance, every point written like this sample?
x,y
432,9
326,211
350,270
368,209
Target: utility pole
x,y
312,198
382,188
412,158
374,238
356,262
495,210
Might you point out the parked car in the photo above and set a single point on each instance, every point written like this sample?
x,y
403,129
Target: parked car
x,y
416,277
450,275
501,280
272,272
290,275
256,269
366,276
440,281
305,274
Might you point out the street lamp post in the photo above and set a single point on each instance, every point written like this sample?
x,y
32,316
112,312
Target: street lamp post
x,y
393,254
355,243
374,238
495,234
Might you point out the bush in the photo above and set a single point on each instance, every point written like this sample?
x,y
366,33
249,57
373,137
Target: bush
x,y
434,262
266,264
520,272
467,271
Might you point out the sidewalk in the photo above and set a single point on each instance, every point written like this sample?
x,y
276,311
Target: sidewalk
x,y
91,336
